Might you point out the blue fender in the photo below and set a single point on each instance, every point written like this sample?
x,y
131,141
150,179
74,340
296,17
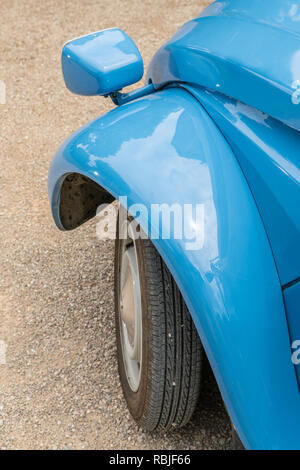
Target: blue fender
x,y
268,152
164,148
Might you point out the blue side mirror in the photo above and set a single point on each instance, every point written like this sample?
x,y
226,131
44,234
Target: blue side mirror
x,y
101,63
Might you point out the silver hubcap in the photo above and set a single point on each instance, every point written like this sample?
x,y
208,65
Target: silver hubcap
x,y
131,313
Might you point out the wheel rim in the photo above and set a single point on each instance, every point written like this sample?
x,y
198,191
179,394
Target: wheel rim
x,y
130,309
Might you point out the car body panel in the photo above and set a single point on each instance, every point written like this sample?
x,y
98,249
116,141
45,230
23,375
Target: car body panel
x,y
268,152
230,49
283,14
165,148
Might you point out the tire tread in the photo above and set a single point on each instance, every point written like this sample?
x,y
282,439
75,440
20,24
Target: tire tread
x,y
176,349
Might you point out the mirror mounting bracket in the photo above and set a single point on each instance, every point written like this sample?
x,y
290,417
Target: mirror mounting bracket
x,y
119,98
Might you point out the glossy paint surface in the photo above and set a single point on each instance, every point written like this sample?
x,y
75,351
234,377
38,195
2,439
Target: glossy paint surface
x,y
268,153
101,62
166,149
283,14
292,302
247,50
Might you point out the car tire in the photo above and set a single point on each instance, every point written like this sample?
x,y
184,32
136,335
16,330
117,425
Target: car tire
x,y
158,347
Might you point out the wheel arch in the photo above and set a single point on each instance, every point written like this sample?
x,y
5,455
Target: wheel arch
x,y
164,148
79,198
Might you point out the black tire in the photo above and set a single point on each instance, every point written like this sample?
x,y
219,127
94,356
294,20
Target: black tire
x,y
172,353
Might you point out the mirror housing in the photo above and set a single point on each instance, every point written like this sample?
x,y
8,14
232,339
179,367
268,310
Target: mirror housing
x,y
101,63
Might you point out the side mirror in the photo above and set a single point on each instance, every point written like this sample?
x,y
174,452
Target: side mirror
x,y
101,63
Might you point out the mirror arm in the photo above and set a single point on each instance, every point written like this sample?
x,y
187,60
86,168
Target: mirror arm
x,y
119,98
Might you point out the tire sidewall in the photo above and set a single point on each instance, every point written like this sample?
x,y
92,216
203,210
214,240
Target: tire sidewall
x,y
138,401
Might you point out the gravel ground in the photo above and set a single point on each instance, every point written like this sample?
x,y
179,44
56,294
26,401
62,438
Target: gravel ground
x,y
59,387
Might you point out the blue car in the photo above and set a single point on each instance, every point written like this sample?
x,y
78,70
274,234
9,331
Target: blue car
x,y
198,173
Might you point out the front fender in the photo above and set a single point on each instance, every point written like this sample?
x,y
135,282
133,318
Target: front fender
x,y
166,149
